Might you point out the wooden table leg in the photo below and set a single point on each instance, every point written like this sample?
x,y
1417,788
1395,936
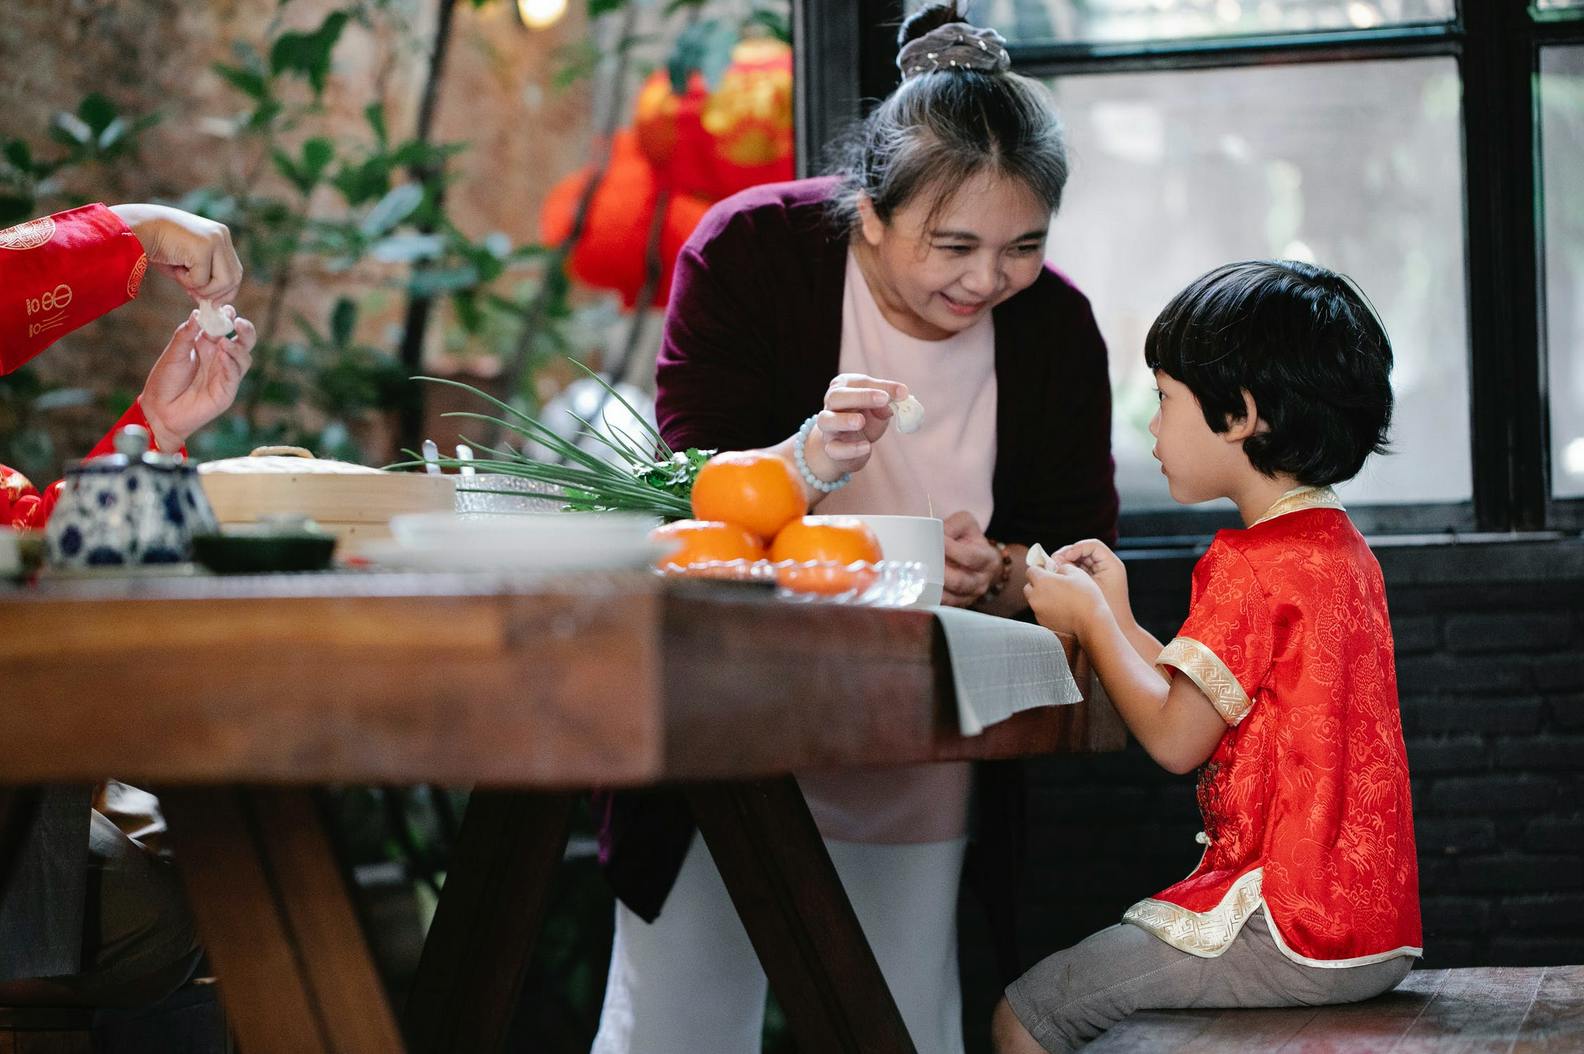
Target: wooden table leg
x,y
273,912
491,909
791,901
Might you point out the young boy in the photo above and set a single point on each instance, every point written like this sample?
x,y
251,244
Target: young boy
x,y
1274,384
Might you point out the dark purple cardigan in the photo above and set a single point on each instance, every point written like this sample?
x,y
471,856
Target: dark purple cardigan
x,y
752,340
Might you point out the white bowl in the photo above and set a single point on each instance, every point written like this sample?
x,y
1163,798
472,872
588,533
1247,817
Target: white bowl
x,y
920,538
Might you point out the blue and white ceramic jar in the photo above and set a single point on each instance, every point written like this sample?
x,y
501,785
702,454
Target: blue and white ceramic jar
x,y
128,509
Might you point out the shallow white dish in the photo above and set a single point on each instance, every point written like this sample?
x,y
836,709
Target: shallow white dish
x,y
554,541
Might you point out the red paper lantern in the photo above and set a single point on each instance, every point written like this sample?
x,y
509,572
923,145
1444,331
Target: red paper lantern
x,y
610,252
670,131
749,117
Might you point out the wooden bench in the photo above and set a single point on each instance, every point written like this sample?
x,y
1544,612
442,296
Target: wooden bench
x,y
1524,1010
46,1030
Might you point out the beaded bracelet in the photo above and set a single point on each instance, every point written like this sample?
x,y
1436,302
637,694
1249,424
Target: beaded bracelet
x,y
995,588
802,462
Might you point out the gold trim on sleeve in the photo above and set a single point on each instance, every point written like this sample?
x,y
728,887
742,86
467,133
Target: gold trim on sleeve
x,y
1203,933
29,235
1205,668
135,279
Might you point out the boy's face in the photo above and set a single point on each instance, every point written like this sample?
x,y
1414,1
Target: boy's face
x,y
1199,464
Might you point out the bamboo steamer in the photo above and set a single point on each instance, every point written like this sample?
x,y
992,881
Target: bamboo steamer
x,y
353,502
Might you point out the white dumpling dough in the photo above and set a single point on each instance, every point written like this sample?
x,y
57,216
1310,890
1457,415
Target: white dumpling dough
x,y
212,320
909,414
1038,557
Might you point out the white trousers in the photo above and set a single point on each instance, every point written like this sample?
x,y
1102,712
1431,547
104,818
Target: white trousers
x,y
690,982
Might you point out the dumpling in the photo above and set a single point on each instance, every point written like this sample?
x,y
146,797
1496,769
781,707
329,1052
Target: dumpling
x,y
212,320
909,414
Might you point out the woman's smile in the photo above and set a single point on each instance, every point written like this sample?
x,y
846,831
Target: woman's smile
x,y
963,308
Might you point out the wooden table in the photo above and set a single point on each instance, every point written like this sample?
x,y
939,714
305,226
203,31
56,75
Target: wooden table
x,y
235,696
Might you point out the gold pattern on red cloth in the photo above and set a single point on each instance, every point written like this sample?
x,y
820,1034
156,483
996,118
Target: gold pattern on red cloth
x,y
135,279
1202,933
29,235
1311,786
1210,674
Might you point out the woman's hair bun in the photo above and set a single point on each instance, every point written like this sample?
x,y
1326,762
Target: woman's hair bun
x,y
926,18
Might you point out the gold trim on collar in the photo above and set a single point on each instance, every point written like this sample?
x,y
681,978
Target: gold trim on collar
x,y
1205,669
1202,933
1300,498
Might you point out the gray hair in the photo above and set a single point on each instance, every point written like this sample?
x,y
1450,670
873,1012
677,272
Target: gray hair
x,y
945,125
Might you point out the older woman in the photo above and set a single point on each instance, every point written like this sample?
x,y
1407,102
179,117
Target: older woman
x,y
800,311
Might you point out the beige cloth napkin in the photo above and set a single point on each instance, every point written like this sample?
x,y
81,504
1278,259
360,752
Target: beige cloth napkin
x,y
1001,667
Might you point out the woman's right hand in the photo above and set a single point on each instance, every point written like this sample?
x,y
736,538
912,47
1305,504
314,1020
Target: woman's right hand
x,y
856,414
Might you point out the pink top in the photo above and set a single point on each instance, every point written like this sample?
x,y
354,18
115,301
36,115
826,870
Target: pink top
x,y
944,467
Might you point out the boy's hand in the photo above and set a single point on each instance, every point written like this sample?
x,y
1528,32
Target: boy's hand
x,y
195,379
1107,570
1066,600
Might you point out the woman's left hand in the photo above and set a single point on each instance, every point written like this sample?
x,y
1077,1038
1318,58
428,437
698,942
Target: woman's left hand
x,y
195,379
973,563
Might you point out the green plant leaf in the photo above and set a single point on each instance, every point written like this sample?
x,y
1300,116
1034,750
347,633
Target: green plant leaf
x,y
375,113
97,111
71,130
15,209
392,209
343,320
365,182
112,135
408,248
249,82
17,153
308,54
441,280
317,153
775,22
705,46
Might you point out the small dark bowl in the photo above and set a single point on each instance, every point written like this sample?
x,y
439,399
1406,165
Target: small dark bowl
x,y
232,554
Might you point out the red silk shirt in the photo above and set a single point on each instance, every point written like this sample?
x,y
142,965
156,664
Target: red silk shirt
x,y
1305,800
56,274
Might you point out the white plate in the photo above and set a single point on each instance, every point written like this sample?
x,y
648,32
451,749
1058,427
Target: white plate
x,y
591,555
513,529
548,541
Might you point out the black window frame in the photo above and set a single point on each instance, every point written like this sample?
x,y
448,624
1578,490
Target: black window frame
x,y
844,51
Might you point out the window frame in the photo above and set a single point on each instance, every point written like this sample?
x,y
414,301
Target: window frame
x,y
844,49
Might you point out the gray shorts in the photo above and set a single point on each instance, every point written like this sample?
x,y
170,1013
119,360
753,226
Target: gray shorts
x,y
1071,997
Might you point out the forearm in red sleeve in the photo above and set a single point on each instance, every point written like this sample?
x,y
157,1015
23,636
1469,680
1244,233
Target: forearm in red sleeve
x,y
133,416
62,272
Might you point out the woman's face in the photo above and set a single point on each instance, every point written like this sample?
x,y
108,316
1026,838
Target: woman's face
x,y
938,275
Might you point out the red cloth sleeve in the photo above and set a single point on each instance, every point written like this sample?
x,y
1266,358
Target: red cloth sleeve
x,y
62,272
1227,645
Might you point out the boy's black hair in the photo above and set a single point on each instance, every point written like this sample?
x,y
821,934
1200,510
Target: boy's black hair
x,y
1299,338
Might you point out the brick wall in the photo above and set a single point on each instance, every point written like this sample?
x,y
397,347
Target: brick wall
x,y
1490,643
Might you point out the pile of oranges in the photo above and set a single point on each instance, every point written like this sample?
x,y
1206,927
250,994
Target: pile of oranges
x,y
749,507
